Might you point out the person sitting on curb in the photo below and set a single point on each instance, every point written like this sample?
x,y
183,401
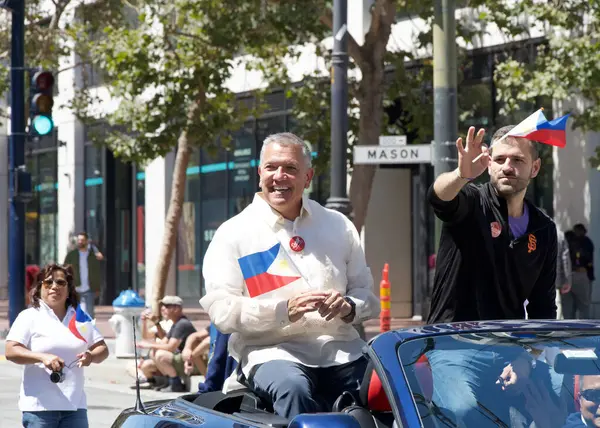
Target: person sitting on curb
x,y
150,376
195,353
168,358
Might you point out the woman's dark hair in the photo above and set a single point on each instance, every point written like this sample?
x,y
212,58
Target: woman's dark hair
x,y
47,271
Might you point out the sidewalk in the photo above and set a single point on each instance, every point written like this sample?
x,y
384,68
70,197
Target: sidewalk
x,y
198,317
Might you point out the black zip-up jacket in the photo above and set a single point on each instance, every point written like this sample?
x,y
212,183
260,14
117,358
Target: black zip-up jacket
x,y
482,277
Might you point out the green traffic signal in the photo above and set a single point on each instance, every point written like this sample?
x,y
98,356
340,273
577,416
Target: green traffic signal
x,y
41,103
42,125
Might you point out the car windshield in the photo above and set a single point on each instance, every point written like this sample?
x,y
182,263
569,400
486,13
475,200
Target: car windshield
x,y
506,379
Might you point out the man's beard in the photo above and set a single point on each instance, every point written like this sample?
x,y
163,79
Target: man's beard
x,y
516,186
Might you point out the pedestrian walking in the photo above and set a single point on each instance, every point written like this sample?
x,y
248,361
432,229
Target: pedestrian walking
x,y
577,303
87,271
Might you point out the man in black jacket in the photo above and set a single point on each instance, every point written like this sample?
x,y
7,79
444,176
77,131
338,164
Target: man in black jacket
x,y
497,255
497,251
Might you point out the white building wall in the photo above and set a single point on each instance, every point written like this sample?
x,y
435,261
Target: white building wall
x,y
157,193
388,237
71,162
576,184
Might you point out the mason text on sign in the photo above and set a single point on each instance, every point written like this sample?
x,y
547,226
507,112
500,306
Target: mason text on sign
x,y
412,153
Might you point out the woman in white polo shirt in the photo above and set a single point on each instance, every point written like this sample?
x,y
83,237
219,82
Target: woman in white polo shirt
x,y
54,337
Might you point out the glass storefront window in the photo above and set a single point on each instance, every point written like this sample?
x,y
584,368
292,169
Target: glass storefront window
x,y
41,214
243,175
119,220
140,189
475,107
188,260
94,188
214,197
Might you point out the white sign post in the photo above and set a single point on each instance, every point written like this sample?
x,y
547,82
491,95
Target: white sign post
x,y
392,150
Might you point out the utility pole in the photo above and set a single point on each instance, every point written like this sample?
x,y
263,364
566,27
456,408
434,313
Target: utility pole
x,y
445,129
16,154
338,197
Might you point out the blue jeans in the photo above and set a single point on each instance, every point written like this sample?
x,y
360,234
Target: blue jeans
x,y
87,302
464,384
465,389
56,419
294,389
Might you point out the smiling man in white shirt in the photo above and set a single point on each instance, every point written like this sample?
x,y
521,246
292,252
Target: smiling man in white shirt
x,y
288,278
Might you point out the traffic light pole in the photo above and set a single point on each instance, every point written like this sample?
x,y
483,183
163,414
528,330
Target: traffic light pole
x,y
444,93
16,153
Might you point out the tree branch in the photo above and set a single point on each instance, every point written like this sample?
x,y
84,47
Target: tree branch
x,y
383,16
354,49
79,64
61,5
191,36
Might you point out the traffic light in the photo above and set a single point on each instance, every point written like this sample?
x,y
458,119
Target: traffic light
x,y
41,102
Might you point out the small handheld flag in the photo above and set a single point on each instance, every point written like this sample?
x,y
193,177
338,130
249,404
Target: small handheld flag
x,y
268,270
80,323
537,128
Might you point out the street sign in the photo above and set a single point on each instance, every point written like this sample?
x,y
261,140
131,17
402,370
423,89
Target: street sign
x,y
392,140
414,153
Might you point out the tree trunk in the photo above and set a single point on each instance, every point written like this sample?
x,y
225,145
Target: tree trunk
x,y
169,243
370,58
371,116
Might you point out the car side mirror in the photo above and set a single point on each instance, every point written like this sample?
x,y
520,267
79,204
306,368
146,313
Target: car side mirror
x,y
320,420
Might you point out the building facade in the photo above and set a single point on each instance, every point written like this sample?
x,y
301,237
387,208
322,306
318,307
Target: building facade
x,y
82,187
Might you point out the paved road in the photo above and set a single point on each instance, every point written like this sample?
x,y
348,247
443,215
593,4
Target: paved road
x,y
107,388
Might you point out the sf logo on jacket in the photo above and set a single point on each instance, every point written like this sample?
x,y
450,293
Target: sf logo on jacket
x,y
532,244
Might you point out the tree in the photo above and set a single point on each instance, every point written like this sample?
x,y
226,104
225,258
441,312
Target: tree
x,y
169,68
46,41
379,79
169,71
565,65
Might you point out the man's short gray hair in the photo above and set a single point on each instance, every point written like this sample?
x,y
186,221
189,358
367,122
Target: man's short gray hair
x,y
287,138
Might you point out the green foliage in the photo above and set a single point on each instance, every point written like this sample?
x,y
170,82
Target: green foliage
x,y
46,40
565,66
159,57
183,53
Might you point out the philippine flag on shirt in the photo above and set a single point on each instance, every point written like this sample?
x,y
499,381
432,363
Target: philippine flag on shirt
x,y
267,271
80,324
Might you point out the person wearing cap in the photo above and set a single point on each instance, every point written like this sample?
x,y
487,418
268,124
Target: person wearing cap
x,y
167,356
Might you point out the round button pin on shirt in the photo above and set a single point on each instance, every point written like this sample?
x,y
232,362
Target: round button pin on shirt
x,y
297,244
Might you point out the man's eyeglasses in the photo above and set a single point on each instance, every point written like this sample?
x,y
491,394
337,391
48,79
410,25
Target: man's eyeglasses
x,y
591,395
60,282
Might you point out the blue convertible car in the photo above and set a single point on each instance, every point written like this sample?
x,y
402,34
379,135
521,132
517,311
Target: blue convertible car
x,y
475,374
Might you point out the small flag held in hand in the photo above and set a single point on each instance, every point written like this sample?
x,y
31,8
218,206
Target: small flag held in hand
x,y
539,129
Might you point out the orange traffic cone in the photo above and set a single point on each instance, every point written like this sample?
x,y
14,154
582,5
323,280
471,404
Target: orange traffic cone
x,y
384,295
